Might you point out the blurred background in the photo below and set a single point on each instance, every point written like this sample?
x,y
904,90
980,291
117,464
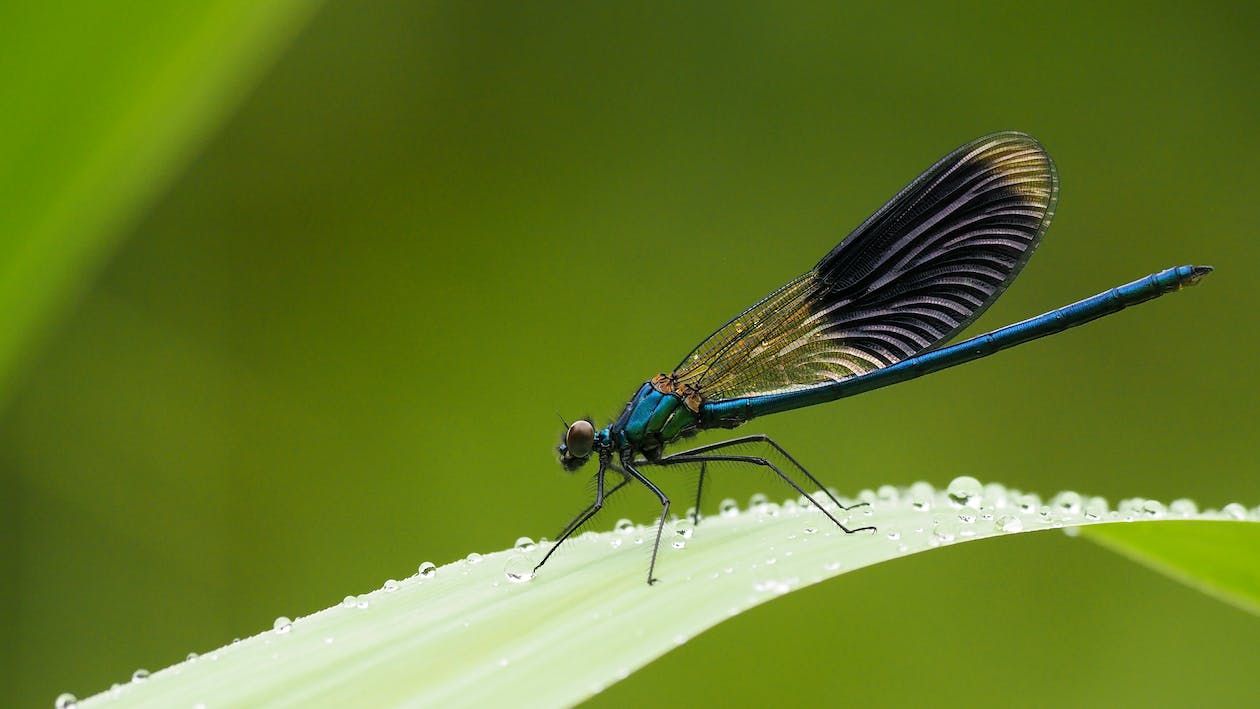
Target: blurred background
x,y
307,320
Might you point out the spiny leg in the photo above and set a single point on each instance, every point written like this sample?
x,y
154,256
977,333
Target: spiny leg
x,y
660,525
699,490
762,438
679,459
586,514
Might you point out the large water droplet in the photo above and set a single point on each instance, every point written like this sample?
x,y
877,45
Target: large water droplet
x,y
525,544
1028,503
965,491
1235,510
1152,508
65,700
427,570
1095,508
518,569
1184,507
1068,503
728,507
282,625
921,495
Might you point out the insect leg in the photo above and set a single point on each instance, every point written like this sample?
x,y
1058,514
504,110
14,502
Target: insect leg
x,y
764,439
680,458
660,525
585,515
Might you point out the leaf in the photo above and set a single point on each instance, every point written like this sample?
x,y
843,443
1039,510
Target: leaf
x,y
1218,558
104,102
466,634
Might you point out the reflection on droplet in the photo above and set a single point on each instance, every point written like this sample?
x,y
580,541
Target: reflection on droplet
x,y
1009,523
1152,508
921,495
624,526
427,570
1028,503
525,544
282,625
518,569
965,491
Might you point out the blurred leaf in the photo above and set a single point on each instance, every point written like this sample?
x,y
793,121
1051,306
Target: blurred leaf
x,y
104,102
1218,558
467,634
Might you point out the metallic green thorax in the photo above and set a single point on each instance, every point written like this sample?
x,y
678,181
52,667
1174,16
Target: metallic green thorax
x,y
653,419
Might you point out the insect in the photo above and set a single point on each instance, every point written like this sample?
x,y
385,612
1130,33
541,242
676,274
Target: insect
x,y
877,310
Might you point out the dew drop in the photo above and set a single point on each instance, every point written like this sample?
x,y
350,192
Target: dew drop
x,y
192,656
282,625
757,501
614,542
921,495
362,602
518,569
728,508
525,544
888,493
894,534
1008,523
965,491
684,530
809,530
474,558
967,517
624,526
1095,508
390,586
1235,510
1068,503
349,602
1028,503
1152,508
1183,507
65,700
831,565
427,570
140,675
679,543
638,540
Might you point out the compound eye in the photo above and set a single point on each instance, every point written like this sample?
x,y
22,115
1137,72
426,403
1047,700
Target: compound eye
x,y
580,439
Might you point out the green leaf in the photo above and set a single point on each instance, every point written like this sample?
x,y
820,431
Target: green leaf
x,y
1218,558
468,634
103,104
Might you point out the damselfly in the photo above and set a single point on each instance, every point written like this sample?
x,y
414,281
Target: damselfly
x,y
875,311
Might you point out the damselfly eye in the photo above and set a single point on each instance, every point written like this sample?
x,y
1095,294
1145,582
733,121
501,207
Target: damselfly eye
x,y
580,439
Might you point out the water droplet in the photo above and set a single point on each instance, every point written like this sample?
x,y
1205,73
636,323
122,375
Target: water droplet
x,y
282,625
362,602
684,530
1095,508
894,534
1184,507
965,491
638,540
679,543
192,656
728,507
888,493
996,494
809,530
474,558
140,675
427,570
1008,523
65,700
831,565
1028,503
1234,510
614,542
525,544
1152,508
921,495
1068,503
757,501
390,586
624,526
967,517
518,569
348,601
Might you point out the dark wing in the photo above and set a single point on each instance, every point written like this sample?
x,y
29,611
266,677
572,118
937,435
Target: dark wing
x,y
908,279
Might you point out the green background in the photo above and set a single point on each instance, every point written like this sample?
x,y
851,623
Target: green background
x,y
335,346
